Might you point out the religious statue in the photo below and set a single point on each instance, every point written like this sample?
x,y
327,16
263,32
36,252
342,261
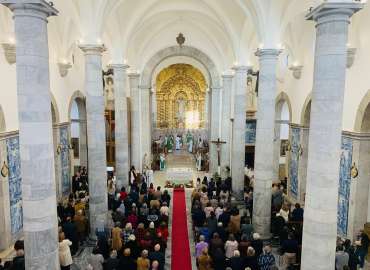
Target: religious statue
x,y
178,142
200,143
251,96
199,161
181,104
170,142
109,93
162,162
189,141
146,162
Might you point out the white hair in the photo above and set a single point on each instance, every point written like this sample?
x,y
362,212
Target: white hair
x,y
256,236
236,253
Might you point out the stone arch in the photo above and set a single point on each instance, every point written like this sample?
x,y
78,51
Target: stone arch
x,y
306,111
54,110
2,120
80,99
81,128
280,100
281,132
361,111
146,78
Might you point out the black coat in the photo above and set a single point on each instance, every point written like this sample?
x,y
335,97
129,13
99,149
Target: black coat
x,y
126,263
251,262
157,256
236,263
18,263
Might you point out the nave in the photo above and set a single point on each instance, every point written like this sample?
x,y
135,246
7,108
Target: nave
x,y
268,98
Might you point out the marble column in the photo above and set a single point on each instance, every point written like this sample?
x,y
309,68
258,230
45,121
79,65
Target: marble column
x,y
320,217
154,111
121,127
135,120
238,145
83,142
40,226
216,111
264,158
302,165
226,121
277,143
97,156
145,121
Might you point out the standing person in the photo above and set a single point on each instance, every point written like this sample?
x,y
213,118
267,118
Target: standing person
x,y
266,260
132,175
341,258
363,248
126,261
96,260
112,262
158,256
18,260
65,257
143,263
80,221
200,246
204,260
70,230
162,162
230,246
290,250
199,161
111,188
116,237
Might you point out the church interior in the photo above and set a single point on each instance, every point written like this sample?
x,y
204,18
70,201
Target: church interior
x,y
184,134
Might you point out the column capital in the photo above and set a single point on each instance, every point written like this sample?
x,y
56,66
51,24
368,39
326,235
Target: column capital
x,y
268,52
133,75
35,8
216,88
118,66
241,69
227,76
97,49
344,9
145,87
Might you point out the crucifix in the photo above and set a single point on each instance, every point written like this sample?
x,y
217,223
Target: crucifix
x,y
218,144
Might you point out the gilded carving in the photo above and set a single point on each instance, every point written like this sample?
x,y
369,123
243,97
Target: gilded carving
x,y
181,90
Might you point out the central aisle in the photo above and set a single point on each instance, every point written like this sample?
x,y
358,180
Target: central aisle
x,y
180,259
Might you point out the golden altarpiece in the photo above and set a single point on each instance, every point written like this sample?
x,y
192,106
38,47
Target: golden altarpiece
x,y
180,96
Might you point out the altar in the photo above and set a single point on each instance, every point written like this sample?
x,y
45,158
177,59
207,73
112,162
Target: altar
x,y
179,176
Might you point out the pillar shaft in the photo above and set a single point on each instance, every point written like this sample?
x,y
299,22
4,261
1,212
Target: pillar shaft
x,y
145,121
320,219
238,145
226,121
216,109
36,134
264,157
135,120
97,157
121,127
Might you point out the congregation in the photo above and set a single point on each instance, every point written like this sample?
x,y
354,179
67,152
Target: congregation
x,y
134,235
225,238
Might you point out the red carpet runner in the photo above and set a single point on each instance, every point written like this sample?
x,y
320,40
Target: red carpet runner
x,y
180,256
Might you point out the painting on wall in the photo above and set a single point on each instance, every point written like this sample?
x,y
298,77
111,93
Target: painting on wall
x,y
294,162
64,157
15,185
344,185
250,132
